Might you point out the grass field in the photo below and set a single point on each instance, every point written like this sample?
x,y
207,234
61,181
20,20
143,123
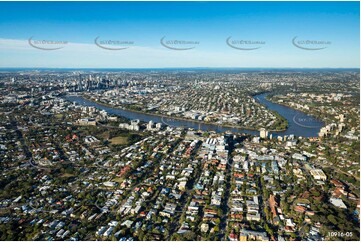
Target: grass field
x,y
118,179
302,200
67,175
119,140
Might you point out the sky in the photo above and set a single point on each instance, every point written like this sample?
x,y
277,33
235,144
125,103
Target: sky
x,y
260,34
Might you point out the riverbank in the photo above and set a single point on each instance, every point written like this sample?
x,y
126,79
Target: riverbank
x,y
301,110
180,118
288,113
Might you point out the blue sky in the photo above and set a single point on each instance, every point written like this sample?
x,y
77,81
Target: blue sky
x,y
274,24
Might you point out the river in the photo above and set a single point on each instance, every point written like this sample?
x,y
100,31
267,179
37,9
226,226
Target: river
x,y
299,123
